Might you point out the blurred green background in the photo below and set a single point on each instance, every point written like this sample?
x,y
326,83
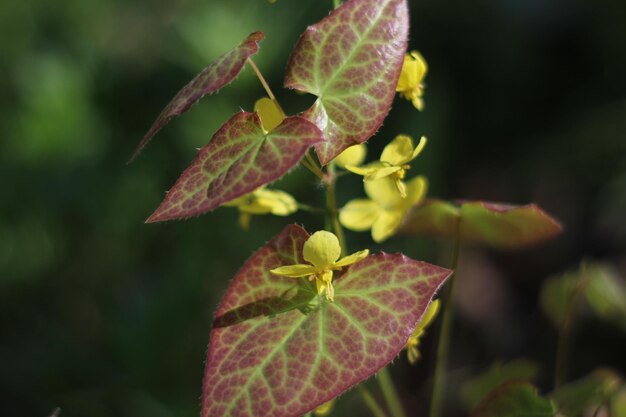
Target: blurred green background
x,y
103,315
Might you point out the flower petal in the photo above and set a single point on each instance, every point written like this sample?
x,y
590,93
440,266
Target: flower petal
x,y
321,249
428,317
351,259
278,202
325,409
415,191
294,271
269,112
384,192
413,354
409,75
399,151
354,155
382,173
365,170
386,224
239,201
418,149
421,67
359,215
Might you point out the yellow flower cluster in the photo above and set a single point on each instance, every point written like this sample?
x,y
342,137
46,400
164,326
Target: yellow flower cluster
x,y
390,198
393,162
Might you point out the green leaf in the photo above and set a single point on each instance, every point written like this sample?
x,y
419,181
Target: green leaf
x,y
351,61
598,284
278,349
606,294
618,403
493,224
592,391
556,295
476,389
239,158
514,399
215,76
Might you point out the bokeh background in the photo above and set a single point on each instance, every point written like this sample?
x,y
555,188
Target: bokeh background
x,y
102,315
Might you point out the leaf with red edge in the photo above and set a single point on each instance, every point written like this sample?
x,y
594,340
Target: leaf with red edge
x,y
493,224
351,61
215,76
279,350
239,158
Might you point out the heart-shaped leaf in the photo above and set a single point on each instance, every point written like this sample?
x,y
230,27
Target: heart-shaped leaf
x,y
215,76
514,399
351,61
278,349
239,158
493,224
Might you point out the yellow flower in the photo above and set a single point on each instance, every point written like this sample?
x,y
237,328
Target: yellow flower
x,y
385,210
321,251
325,409
269,112
410,85
414,340
393,162
262,201
354,155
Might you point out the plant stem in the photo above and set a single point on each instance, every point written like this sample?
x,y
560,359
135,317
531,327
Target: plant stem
x,y
309,208
264,83
562,350
313,168
331,206
336,3
370,401
445,332
389,392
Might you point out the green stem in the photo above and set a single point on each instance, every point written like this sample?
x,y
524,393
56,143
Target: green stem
x,y
315,170
331,206
562,350
310,209
265,85
445,332
390,393
371,402
336,3
314,166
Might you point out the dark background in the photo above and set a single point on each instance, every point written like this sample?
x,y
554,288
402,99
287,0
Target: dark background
x,y
102,315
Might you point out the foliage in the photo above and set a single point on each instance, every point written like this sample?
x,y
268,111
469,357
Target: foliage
x,y
89,293
282,347
513,399
476,389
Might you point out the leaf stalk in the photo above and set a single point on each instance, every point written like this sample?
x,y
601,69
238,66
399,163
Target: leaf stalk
x,y
445,333
265,85
331,207
389,392
371,402
562,350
